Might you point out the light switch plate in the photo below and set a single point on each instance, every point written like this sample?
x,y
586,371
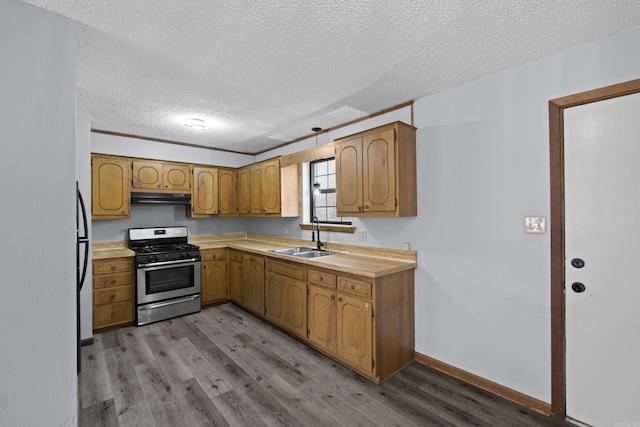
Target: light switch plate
x,y
535,225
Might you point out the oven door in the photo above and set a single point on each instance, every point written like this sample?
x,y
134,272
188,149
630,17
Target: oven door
x,y
166,280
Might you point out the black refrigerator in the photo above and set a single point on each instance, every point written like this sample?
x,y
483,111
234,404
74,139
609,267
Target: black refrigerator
x,y
82,256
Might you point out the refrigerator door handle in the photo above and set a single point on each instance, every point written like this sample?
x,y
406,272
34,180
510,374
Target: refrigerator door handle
x,y
83,240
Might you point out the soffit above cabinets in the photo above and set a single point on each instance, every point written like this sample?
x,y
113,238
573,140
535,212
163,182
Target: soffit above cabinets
x,y
264,73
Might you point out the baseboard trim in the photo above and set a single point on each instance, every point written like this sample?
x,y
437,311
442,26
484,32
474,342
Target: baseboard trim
x,y
86,341
490,386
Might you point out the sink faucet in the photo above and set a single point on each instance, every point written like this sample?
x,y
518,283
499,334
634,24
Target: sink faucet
x,y
319,244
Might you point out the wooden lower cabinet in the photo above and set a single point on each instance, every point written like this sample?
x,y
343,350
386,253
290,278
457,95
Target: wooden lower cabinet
x,y
113,293
253,283
285,296
365,323
213,276
322,318
236,259
354,325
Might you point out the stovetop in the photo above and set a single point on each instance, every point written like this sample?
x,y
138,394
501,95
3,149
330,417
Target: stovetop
x,y
161,244
162,253
155,249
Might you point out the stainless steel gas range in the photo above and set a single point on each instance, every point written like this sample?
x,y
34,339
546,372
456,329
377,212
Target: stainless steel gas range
x,y
167,273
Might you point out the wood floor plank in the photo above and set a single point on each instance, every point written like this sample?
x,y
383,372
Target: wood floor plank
x,y
204,372
124,383
223,366
102,414
94,381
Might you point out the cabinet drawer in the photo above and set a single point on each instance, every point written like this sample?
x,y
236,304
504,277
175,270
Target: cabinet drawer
x,y
236,256
287,269
112,266
322,278
356,287
213,254
112,314
112,280
111,295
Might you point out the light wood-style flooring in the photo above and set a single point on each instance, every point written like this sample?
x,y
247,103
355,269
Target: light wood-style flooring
x,y
223,367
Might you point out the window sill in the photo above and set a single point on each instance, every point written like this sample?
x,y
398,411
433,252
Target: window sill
x,y
330,227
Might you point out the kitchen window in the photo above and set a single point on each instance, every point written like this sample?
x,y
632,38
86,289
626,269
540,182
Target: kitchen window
x,y
323,192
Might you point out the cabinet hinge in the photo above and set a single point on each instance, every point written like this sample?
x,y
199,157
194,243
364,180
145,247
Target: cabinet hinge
x,y
373,313
395,136
396,203
373,363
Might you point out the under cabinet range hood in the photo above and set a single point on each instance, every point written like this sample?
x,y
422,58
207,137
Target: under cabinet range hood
x,y
160,198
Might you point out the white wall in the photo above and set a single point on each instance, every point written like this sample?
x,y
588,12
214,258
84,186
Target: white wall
x,y
38,382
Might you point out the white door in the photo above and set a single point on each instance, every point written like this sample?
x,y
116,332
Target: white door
x,y
602,226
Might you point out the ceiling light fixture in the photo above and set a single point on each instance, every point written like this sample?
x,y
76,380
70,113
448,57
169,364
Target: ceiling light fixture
x,y
196,124
316,130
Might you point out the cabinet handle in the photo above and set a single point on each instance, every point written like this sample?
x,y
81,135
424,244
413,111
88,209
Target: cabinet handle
x,y
339,298
352,287
359,208
159,186
322,278
366,206
333,297
113,282
113,267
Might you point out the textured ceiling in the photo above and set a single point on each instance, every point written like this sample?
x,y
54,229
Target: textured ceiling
x,y
263,73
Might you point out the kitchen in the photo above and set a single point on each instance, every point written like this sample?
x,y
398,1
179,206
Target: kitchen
x,y
482,166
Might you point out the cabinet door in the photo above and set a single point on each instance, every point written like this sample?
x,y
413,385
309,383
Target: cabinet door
x,y
257,187
110,194
294,297
349,176
286,303
253,283
322,318
227,191
213,281
205,191
147,175
274,300
176,177
235,281
379,171
355,339
271,186
244,191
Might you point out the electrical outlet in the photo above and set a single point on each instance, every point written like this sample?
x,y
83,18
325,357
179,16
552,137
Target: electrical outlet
x,y
406,246
284,230
217,227
362,235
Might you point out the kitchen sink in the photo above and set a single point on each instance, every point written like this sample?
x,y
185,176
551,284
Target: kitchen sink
x,y
303,252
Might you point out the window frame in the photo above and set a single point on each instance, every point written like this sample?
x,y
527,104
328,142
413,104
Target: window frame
x,y
312,205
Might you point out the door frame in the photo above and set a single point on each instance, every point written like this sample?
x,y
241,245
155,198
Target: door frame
x,y
557,229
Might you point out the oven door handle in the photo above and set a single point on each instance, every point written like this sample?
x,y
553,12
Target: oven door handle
x,y
166,303
160,264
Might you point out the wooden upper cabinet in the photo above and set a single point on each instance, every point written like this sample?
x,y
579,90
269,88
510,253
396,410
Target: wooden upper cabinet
x,y
227,192
110,196
204,200
376,172
244,190
161,176
267,189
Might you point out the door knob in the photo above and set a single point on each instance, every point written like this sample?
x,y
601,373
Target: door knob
x,y
577,262
578,287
